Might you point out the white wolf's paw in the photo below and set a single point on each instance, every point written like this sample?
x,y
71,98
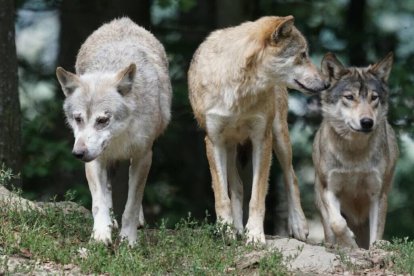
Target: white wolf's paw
x,y
298,226
130,235
102,235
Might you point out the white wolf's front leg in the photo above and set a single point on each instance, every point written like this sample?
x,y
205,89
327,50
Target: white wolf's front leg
x,y
262,155
133,214
100,187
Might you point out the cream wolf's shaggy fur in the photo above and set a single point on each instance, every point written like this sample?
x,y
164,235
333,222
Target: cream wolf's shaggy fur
x,y
237,88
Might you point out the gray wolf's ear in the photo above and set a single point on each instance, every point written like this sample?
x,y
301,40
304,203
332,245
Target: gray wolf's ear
x,y
68,81
331,67
284,28
125,79
382,68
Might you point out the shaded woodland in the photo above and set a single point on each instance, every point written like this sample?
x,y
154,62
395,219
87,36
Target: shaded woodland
x,y
37,143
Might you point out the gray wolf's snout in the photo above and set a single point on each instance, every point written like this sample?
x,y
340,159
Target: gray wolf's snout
x,y
366,124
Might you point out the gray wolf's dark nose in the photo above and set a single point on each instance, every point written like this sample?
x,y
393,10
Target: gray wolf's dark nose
x,y
366,123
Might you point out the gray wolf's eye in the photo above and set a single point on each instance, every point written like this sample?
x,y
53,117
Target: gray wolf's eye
x,y
349,97
102,120
374,97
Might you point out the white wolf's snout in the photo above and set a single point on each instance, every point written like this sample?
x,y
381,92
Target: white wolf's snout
x,y
89,148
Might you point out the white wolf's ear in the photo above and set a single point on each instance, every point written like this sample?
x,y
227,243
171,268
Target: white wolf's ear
x,y
284,28
382,68
331,67
125,79
68,81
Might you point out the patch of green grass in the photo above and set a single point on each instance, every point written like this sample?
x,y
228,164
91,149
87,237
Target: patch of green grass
x,y
270,265
190,248
403,257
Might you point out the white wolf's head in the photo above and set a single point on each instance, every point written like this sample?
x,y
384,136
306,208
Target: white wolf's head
x,y
357,99
95,108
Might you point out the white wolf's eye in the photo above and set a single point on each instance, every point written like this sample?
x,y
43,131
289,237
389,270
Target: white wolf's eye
x,y
102,120
78,119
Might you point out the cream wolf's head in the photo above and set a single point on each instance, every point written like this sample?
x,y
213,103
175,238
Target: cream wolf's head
x,y
357,99
285,55
95,108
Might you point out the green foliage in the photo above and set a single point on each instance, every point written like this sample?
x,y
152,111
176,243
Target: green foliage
x,y
270,265
6,175
403,255
191,248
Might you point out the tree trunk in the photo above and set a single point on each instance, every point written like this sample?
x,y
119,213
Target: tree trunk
x,y
10,129
356,33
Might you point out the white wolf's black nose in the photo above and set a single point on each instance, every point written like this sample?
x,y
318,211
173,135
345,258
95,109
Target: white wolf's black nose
x,y
366,123
79,153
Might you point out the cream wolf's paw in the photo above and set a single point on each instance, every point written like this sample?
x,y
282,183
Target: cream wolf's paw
x,y
255,234
298,226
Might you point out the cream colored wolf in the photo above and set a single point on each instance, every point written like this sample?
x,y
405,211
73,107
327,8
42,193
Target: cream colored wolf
x,y
354,153
117,104
237,80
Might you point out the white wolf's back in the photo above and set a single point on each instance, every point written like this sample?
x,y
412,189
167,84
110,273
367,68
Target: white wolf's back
x,y
117,44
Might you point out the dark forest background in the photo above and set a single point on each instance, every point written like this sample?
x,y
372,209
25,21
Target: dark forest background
x,y
49,33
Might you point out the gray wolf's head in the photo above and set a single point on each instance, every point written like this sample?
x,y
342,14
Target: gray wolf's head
x,y
285,55
95,108
357,99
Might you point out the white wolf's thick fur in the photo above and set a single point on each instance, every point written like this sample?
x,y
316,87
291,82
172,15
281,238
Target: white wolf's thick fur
x,y
117,104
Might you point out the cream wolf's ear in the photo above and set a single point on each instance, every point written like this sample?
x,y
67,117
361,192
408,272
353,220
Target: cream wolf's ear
x,y
68,81
331,67
125,79
284,28
382,68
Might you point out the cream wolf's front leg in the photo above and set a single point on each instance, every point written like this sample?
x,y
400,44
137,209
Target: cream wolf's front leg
x,y
297,223
100,187
262,155
217,158
133,213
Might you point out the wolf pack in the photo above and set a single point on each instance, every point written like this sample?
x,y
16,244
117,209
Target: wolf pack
x,y
119,101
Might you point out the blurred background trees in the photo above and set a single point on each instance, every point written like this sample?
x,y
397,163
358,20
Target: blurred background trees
x,y
10,148
50,32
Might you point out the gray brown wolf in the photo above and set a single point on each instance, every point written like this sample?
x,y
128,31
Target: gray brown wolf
x,y
237,88
117,104
354,153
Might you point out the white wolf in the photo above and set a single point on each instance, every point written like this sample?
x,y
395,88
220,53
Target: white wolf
x,y
117,104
